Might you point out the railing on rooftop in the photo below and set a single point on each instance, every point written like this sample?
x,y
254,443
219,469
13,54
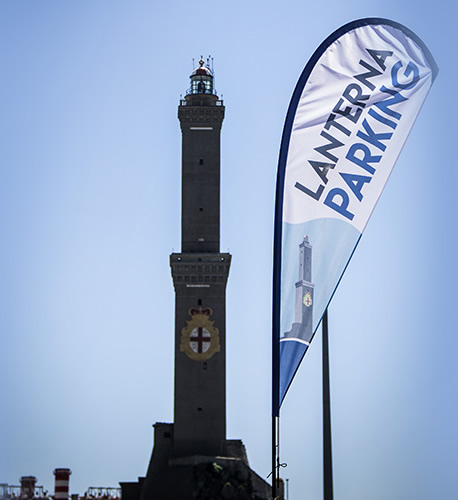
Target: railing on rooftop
x,y
202,90
103,492
14,492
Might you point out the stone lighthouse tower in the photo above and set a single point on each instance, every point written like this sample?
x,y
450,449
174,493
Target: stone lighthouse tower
x,y
192,458
199,276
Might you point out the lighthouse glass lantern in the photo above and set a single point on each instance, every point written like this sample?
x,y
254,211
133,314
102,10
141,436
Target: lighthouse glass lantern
x,y
202,80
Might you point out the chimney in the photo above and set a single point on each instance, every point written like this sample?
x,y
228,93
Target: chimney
x,y
62,484
28,486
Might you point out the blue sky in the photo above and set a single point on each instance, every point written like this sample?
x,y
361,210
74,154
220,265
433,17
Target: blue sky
x,y
90,211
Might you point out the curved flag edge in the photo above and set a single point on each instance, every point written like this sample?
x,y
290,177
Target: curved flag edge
x,y
277,246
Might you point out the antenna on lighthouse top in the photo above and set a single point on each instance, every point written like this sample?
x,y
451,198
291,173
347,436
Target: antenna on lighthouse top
x,y
210,65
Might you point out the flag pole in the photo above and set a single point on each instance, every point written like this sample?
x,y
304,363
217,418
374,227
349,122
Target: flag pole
x,y
274,455
327,442
276,342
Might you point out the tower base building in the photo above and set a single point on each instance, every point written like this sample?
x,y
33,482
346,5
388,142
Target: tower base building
x,y
203,477
192,459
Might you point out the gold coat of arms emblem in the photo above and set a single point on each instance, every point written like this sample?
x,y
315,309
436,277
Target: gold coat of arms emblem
x,y
199,338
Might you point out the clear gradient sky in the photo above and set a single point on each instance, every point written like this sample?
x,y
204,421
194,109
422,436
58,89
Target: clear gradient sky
x,y
90,211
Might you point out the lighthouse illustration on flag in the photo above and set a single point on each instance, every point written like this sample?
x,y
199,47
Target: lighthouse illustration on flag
x,y
295,342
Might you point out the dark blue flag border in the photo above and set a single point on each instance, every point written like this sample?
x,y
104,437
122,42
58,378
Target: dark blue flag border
x,y
278,222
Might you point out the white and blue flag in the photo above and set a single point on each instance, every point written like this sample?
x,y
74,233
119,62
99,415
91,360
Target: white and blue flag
x,y
351,112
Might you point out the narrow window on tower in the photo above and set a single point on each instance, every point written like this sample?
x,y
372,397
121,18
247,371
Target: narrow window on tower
x,y
199,302
201,161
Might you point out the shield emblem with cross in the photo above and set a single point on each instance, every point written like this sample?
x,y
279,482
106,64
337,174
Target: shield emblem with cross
x,y
307,299
199,338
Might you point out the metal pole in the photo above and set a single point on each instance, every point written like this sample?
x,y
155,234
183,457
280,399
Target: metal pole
x,y
327,443
274,457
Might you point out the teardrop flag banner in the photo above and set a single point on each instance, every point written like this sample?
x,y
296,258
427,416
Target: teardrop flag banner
x,y
351,112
